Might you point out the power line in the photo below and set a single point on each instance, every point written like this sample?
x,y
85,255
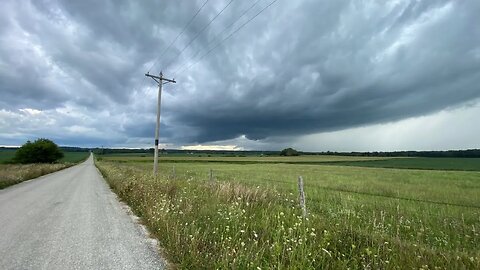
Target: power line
x,y
229,36
198,34
219,34
174,40
179,34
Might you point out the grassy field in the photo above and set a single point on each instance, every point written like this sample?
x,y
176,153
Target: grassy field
x,y
313,160
239,160
456,164
460,164
247,216
11,174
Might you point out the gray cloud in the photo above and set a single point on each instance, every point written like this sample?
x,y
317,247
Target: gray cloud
x,y
299,68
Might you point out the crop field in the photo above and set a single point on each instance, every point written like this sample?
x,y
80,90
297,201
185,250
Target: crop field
x,y
11,174
243,213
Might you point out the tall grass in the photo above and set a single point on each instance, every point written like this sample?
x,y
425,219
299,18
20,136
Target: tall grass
x,y
239,224
11,174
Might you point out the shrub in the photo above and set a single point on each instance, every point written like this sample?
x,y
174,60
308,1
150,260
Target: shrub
x,y
40,151
289,152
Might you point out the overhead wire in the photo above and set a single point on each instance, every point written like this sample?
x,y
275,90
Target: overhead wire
x,y
218,35
173,41
198,34
229,36
179,34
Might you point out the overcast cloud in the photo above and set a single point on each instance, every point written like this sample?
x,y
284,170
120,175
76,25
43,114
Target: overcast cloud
x,y
317,75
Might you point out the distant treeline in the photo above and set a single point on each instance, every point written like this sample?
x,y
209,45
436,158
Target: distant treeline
x,y
74,149
470,153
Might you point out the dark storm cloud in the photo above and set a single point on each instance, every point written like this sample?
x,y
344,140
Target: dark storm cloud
x,y
300,67
350,64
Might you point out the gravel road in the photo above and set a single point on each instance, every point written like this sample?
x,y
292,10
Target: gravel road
x,y
71,220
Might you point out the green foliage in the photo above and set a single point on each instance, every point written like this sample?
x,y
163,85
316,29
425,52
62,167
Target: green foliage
x,y
289,152
40,151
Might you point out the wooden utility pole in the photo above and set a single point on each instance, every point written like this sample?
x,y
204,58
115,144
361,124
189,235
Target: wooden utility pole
x,y
160,80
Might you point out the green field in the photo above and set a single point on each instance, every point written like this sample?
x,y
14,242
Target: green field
x,y
359,217
458,164
74,157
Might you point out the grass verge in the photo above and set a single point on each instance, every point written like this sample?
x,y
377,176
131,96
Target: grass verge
x,y
11,174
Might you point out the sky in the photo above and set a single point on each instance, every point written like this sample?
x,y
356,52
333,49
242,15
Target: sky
x,y
250,75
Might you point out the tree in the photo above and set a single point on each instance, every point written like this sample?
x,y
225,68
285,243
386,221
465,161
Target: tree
x,y
289,152
40,151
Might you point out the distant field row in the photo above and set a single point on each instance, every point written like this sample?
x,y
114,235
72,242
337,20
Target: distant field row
x,y
457,164
257,159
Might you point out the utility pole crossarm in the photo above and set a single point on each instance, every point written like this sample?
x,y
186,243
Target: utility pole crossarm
x,y
161,78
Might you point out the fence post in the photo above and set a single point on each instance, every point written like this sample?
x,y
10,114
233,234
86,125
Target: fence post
x,y
211,175
173,172
302,196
